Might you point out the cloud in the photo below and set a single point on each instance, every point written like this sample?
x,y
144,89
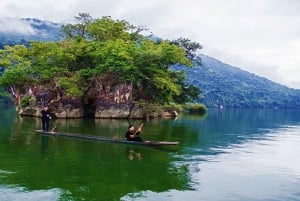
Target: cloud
x,y
13,25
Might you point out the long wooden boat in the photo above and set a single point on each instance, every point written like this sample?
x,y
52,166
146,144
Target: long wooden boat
x,y
110,139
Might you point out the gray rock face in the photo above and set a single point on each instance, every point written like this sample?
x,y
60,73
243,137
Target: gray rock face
x,y
107,103
105,111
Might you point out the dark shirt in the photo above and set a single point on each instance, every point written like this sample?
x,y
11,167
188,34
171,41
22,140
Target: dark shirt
x,y
136,138
45,114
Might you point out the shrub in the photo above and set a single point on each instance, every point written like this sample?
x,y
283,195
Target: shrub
x,y
173,107
25,101
195,108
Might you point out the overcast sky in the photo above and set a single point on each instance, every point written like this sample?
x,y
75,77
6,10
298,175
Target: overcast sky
x,y
260,36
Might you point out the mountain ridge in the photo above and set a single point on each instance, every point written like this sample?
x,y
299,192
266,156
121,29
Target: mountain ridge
x,y
28,29
223,85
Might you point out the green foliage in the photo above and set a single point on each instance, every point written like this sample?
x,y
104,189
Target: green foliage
x,y
195,108
80,28
189,92
15,76
160,108
25,101
106,29
190,49
71,85
112,50
17,66
173,107
116,56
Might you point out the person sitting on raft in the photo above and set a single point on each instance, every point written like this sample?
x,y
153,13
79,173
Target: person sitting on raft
x,y
132,135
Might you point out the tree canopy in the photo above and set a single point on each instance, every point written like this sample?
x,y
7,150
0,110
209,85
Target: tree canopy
x,y
102,49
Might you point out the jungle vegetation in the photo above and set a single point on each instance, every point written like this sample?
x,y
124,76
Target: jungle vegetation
x,y
103,50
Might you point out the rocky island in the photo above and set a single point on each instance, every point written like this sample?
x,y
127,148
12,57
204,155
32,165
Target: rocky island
x,y
102,68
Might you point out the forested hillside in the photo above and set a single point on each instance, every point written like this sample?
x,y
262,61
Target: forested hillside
x,y
223,85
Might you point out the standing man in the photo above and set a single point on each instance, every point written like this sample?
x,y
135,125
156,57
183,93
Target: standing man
x,y
45,118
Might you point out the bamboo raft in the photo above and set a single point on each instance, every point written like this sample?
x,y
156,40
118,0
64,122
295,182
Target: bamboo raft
x,y
109,139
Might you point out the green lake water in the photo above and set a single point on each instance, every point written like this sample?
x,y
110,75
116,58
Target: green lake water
x,y
226,155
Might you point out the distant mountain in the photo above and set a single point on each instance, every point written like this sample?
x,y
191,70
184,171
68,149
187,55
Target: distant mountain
x,y
223,85
21,31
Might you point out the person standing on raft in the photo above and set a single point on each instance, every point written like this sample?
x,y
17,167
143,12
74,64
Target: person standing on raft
x,y
46,119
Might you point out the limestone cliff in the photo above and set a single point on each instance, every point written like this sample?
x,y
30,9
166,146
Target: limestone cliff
x,y
100,102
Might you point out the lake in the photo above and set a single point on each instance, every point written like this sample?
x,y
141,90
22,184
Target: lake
x,y
229,154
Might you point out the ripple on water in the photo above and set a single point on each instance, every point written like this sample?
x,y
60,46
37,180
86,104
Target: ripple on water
x,y
10,193
255,170
260,168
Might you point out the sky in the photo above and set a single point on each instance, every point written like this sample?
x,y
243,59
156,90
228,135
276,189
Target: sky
x,y
261,36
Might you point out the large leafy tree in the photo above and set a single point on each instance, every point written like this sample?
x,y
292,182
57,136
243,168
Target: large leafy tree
x,y
102,49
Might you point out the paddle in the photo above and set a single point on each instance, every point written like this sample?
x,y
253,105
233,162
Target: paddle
x,y
54,125
139,129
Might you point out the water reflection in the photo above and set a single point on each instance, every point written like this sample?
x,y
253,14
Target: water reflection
x,y
133,154
257,169
217,157
85,169
225,128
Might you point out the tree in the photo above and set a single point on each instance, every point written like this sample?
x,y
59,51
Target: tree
x,y
105,29
154,62
80,28
102,53
17,66
190,49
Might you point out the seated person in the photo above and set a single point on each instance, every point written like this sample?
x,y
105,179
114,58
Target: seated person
x,y
132,135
